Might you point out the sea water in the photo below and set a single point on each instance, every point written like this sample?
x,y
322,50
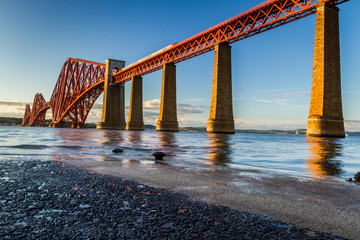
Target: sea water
x,y
298,155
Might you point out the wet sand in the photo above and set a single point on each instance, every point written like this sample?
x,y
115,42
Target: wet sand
x,y
331,206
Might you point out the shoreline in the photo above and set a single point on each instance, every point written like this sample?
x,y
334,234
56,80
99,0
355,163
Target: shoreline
x,y
328,206
43,199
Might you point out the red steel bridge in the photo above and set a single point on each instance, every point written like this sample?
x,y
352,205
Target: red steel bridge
x,y
81,82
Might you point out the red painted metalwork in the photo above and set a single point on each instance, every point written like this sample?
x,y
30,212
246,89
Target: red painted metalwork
x,y
79,85
26,117
38,113
266,16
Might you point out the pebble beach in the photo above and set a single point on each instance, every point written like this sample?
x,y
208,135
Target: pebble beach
x,y
51,200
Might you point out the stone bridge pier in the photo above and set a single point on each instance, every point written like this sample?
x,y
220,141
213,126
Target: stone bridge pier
x,y
326,116
221,118
113,112
168,108
136,119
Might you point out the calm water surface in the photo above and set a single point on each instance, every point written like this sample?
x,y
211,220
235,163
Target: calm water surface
x,y
284,154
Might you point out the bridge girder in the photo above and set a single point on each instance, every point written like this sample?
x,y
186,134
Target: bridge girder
x,y
79,85
266,16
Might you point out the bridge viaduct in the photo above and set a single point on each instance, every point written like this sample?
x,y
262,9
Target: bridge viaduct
x,y
73,98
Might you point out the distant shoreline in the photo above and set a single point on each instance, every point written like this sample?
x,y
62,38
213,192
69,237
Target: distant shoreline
x,y
11,121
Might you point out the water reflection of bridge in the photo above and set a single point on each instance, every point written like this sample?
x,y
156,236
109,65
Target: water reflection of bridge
x,y
325,156
219,149
324,160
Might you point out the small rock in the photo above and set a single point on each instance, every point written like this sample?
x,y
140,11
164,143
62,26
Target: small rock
x,y
357,177
117,150
85,205
159,155
349,180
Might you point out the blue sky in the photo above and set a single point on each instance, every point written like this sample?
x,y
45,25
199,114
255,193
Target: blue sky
x,y
271,72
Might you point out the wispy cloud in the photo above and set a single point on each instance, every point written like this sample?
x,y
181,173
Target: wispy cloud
x,y
282,96
7,103
12,109
303,94
185,108
278,98
150,117
182,108
353,121
285,92
97,106
275,101
150,114
11,114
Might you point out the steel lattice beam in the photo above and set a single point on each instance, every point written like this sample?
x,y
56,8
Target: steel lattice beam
x,y
79,85
266,16
38,113
26,117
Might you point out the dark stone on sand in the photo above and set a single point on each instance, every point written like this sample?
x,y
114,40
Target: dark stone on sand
x,y
159,155
357,177
349,180
117,150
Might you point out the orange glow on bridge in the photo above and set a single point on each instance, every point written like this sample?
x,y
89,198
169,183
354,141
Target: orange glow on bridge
x,y
266,16
81,82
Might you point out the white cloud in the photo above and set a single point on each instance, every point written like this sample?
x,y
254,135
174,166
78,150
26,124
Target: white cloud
x,y
152,104
182,108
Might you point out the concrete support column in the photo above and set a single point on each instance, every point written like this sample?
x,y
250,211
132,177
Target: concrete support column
x,y
326,117
221,118
168,115
113,114
136,121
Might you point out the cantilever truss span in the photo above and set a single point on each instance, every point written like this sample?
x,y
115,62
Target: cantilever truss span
x,y
27,114
79,85
38,113
266,16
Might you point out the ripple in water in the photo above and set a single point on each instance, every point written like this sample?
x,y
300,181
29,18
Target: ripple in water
x,y
293,154
30,146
